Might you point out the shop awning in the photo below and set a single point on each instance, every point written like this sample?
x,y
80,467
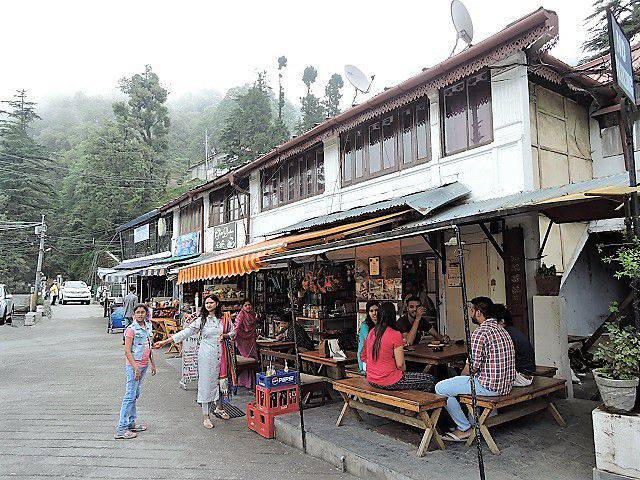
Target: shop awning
x,y
251,257
595,199
162,267
142,263
120,276
424,202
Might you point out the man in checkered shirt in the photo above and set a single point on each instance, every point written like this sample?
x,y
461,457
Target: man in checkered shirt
x,y
493,369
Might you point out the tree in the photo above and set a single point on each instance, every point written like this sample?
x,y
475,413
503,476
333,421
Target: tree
x,y
627,12
312,110
248,131
333,95
282,63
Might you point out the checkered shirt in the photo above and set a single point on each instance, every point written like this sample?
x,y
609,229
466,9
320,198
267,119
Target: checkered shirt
x,y
494,358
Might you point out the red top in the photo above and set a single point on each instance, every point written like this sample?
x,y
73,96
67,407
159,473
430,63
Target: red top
x,y
382,371
147,349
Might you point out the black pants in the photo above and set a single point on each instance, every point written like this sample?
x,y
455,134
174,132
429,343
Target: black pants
x,y
412,381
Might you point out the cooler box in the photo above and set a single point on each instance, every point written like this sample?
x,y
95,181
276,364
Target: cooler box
x,y
280,379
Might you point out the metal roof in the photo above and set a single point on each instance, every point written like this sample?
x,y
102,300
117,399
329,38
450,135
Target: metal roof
x,y
136,264
145,217
423,202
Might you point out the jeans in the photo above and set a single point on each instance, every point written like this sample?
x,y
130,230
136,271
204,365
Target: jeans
x,y
132,393
457,386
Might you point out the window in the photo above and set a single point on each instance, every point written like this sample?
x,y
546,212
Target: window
x,y
399,139
467,116
293,180
227,205
191,217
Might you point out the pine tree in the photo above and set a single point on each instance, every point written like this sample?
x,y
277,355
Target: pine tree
x,y
282,63
312,110
627,12
333,95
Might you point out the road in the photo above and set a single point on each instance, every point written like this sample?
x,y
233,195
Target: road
x,y
62,384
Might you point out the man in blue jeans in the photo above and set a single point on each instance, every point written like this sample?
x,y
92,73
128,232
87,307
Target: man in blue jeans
x,y
493,367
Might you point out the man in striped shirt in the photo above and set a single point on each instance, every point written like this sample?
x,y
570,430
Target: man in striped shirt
x,y
493,368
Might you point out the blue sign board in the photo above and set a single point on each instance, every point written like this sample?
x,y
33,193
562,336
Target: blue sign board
x,y
621,62
187,244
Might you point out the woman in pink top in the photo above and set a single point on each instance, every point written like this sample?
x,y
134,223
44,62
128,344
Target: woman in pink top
x,y
383,355
246,337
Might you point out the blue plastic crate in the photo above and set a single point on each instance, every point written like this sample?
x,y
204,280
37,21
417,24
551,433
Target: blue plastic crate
x,y
280,379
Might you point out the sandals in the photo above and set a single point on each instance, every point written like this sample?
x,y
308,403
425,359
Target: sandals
x,y
452,437
222,414
207,423
138,428
125,436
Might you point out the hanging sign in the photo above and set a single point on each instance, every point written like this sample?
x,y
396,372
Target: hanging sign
x,y
225,236
621,62
141,234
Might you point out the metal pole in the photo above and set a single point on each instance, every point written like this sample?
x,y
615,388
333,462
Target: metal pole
x,y
295,346
40,259
467,332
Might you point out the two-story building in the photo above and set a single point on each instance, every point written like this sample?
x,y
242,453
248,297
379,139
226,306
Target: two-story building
x,y
502,141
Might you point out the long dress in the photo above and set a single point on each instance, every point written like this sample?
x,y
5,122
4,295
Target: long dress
x,y
209,355
246,337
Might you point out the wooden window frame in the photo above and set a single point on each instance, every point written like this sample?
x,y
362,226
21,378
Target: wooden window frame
x,y
443,142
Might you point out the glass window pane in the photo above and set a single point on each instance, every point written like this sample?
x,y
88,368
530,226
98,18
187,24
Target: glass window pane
x,y
359,153
389,142
347,157
221,212
320,171
480,121
266,197
375,154
282,171
407,137
274,189
291,187
455,118
422,128
301,179
310,172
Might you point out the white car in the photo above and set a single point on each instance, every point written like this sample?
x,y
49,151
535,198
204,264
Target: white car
x,y
75,291
6,305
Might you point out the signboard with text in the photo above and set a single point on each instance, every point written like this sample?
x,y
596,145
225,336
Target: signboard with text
x,y
187,244
225,236
141,234
621,61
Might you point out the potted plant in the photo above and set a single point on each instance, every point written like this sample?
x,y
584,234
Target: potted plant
x,y
547,280
617,379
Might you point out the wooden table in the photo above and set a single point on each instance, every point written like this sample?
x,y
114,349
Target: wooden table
x,y
323,363
284,345
421,353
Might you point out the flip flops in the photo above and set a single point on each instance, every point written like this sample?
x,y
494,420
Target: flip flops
x,y
125,436
452,437
138,428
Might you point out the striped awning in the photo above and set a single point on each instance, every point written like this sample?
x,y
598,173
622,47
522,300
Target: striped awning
x,y
250,258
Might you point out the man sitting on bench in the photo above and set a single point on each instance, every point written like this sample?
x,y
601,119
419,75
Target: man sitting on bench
x,y
525,354
493,367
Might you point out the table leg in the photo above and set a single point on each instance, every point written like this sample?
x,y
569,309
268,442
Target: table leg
x,y
556,414
430,431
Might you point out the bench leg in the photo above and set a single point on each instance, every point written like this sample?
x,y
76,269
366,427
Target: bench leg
x,y
345,409
430,431
556,414
483,430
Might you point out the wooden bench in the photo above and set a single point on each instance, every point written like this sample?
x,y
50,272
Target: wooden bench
x,y
520,402
542,371
420,403
311,386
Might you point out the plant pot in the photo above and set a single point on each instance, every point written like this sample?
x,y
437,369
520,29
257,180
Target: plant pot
x,y
617,395
548,286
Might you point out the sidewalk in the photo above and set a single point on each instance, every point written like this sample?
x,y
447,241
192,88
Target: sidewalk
x,y
62,384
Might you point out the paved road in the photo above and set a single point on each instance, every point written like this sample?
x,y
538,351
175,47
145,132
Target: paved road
x,y
61,386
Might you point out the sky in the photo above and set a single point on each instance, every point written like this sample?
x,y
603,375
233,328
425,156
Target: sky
x,y
64,46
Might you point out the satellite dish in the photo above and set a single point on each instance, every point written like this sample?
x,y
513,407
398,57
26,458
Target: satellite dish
x,y
358,79
462,23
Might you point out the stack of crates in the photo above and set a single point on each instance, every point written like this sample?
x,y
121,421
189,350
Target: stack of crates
x,y
275,395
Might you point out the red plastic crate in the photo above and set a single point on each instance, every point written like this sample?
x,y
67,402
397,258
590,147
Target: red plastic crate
x,y
260,422
277,401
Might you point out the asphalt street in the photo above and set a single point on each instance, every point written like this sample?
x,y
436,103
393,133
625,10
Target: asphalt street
x,y
62,382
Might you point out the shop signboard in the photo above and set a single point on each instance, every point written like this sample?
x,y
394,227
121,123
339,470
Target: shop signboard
x,y
187,244
622,66
225,236
141,234
189,361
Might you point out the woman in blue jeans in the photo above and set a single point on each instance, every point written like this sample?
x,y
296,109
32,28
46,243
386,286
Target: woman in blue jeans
x,y
137,351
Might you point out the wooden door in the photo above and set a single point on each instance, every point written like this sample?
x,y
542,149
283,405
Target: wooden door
x,y
515,278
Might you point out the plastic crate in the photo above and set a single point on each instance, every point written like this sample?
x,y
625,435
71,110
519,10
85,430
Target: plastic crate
x,y
260,422
280,379
277,401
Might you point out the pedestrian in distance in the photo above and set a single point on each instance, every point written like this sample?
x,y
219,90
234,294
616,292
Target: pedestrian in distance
x,y
138,355
129,303
215,335
53,293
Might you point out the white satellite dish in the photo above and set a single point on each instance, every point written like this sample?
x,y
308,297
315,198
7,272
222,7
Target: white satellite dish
x,y
358,79
462,23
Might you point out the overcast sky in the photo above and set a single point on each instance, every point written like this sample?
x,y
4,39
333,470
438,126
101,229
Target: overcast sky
x,y
60,46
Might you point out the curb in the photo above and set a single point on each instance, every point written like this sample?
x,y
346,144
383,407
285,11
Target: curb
x,y
340,457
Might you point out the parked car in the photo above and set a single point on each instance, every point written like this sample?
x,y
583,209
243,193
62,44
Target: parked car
x,y
6,305
75,291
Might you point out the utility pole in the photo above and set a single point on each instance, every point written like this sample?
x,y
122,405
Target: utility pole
x,y
40,229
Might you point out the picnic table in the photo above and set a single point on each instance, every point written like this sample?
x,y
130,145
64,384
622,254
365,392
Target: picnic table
x,y
422,353
321,363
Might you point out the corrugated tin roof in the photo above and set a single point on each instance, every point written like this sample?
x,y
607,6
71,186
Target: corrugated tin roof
x,y
145,217
423,202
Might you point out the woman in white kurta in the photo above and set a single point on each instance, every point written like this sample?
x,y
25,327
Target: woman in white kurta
x,y
209,325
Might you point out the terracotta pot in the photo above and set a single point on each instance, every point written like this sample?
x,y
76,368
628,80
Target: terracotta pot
x,y
617,395
548,286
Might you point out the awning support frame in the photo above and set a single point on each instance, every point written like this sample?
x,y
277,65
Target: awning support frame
x,y
432,245
544,241
492,239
